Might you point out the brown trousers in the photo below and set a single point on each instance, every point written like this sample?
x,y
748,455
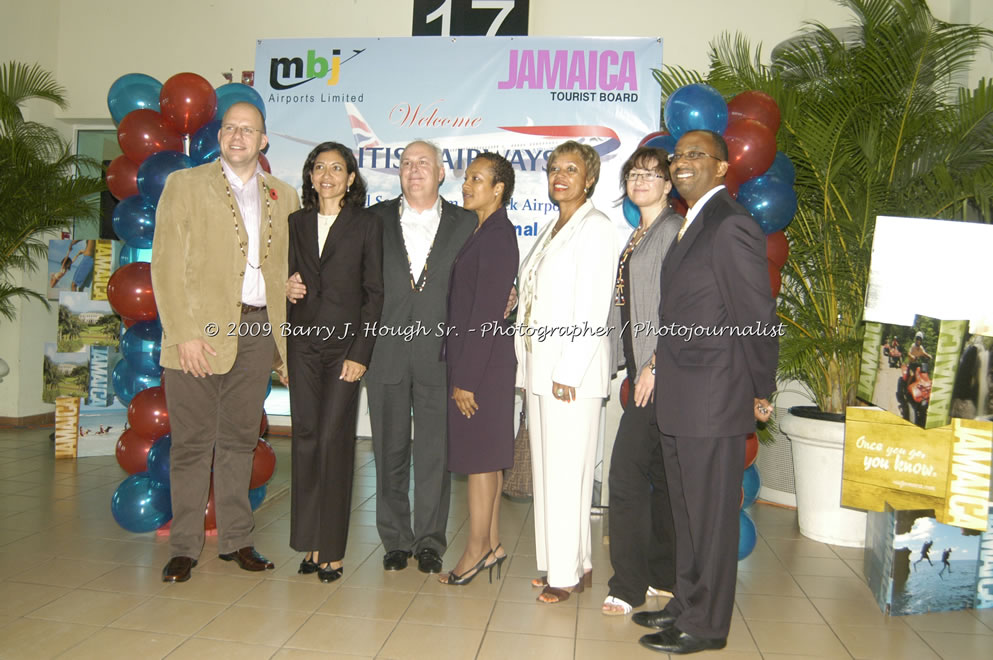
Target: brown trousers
x,y
217,416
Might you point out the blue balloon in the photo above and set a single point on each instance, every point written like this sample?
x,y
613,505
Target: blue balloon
x,y
746,535
750,484
134,221
153,172
268,387
127,383
256,496
133,91
693,108
141,504
631,212
204,146
158,459
771,202
667,142
782,169
130,255
141,346
228,95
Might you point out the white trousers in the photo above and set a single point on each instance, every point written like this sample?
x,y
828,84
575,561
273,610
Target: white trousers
x,y
563,454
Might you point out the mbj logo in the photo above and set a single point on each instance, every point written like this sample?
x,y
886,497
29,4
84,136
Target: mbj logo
x,y
577,69
317,67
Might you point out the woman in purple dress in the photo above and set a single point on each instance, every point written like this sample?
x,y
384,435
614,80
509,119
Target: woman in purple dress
x,y
479,351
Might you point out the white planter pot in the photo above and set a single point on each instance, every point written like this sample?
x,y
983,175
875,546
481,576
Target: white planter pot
x,y
817,463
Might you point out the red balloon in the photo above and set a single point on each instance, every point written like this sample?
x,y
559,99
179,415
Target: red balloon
x,y
777,248
132,451
775,279
625,392
741,502
263,464
188,102
751,449
129,292
210,513
755,105
679,204
145,132
127,322
265,424
732,183
751,148
122,177
147,413
264,163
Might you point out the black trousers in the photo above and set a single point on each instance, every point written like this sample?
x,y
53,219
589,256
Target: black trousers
x,y
642,535
325,414
705,477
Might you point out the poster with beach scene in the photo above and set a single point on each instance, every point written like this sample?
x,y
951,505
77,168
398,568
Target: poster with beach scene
x,y
70,266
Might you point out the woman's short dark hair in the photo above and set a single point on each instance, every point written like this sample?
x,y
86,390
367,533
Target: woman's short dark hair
x,y
591,159
642,159
356,192
503,172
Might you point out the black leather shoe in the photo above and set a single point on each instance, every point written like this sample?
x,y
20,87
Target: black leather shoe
x,y
248,559
178,569
658,619
429,561
676,642
307,566
396,560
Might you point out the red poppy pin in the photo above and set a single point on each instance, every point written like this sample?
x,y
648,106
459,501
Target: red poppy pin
x,y
272,193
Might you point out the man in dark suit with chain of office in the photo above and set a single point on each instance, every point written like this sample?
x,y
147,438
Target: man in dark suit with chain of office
x,y
422,235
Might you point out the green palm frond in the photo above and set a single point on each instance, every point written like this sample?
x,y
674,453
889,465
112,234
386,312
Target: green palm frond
x,y
40,183
874,124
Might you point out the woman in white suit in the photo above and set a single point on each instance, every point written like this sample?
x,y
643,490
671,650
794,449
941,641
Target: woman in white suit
x,y
563,357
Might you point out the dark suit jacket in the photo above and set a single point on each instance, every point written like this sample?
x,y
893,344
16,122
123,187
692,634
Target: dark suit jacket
x,y
715,278
345,281
482,277
404,308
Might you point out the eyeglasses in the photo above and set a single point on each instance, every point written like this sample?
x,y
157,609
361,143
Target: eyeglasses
x,y
642,176
246,131
692,155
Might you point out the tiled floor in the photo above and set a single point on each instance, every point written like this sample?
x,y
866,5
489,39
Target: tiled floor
x,y
75,585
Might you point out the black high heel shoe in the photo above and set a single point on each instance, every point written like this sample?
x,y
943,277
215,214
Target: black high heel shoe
x,y
466,578
327,574
497,561
308,566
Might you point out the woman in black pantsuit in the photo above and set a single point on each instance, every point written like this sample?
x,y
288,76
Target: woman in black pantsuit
x,y
479,351
642,541
336,288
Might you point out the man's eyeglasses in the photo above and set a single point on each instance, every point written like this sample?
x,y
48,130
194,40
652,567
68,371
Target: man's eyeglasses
x,y
246,131
691,155
639,176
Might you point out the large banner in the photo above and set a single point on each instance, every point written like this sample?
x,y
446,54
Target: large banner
x,y
517,96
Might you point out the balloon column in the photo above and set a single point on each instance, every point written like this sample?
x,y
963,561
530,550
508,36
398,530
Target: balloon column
x,y
760,177
749,491
161,128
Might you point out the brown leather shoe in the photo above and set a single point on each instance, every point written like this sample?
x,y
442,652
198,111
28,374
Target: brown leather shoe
x,y
248,559
178,569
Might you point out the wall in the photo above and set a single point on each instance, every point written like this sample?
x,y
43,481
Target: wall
x,y
90,43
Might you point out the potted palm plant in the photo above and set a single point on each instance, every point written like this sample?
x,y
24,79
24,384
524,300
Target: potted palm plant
x,y
876,122
40,185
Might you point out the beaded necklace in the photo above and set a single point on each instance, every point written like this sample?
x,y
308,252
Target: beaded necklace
x,y
619,298
234,216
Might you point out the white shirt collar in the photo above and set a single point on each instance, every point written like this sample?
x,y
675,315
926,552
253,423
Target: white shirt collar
x,y
694,210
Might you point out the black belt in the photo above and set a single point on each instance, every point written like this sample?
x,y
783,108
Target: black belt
x,y
248,309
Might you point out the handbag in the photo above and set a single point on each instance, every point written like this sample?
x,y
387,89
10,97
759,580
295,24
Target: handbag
x,y
518,480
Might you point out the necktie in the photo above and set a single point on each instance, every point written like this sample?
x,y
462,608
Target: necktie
x,y
682,230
